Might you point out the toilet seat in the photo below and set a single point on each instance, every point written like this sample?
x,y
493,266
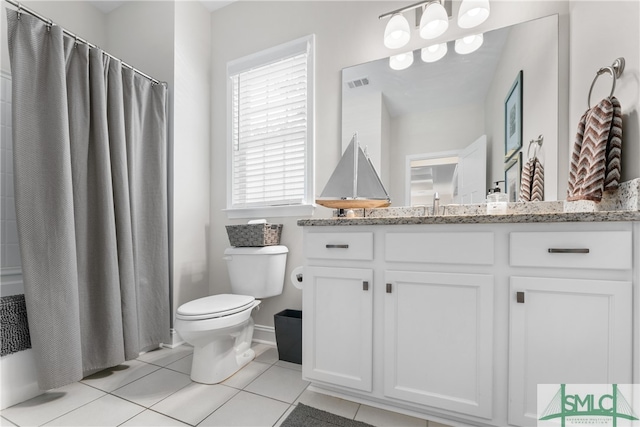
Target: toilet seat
x,y
214,306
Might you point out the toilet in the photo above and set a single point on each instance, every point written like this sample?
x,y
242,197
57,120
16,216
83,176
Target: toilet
x,y
220,327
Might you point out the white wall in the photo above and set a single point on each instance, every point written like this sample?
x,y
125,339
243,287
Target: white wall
x,y
539,64
191,165
601,32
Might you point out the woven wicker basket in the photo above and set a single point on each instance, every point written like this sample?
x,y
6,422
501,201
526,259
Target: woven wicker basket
x,y
254,234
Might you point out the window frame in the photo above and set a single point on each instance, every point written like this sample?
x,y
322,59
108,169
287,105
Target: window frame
x,y
258,59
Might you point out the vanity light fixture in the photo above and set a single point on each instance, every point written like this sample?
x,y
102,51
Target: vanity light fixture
x,y
469,44
401,61
473,13
434,52
397,32
434,21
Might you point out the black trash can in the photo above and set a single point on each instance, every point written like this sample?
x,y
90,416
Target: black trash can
x,y
288,324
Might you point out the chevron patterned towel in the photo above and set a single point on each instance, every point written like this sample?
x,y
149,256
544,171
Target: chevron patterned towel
x,y
532,181
596,157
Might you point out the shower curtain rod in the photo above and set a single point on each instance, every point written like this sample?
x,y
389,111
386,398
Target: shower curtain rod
x,y
24,9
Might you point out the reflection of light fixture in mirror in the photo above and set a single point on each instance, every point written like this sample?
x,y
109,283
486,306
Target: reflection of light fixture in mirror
x,y
473,13
434,52
397,32
401,61
434,21
469,44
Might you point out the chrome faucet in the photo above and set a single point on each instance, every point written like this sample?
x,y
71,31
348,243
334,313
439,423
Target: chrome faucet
x,y
436,204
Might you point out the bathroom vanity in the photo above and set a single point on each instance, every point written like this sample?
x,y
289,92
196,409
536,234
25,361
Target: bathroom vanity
x,y
458,318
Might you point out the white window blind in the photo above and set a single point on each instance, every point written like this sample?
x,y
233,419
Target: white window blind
x,y
270,130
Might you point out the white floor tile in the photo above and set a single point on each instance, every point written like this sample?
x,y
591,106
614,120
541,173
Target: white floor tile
x,y
51,404
195,402
289,365
105,411
149,418
183,365
121,375
267,355
284,416
435,424
6,423
279,383
244,376
380,417
165,356
151,389
324,402
246,409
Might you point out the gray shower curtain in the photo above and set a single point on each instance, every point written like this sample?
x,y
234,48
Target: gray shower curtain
x,y
91,203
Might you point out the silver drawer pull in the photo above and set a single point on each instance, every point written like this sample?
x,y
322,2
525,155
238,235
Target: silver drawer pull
x,y
337,246
568,251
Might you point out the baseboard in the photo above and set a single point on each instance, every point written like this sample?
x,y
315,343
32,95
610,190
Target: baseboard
x,y
175,340
264,334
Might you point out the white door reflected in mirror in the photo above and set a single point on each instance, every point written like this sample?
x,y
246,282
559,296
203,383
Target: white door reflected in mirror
x,y
458,176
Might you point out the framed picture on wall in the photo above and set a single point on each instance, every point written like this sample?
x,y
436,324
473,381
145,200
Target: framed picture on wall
x,y
513,119
512,172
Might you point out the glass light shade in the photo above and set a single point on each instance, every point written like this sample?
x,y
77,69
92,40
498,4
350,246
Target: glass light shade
x,y
434,21
434,52
401,61
397,32
469,44
473,13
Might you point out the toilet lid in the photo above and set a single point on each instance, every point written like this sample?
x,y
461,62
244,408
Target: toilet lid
x,y
214,306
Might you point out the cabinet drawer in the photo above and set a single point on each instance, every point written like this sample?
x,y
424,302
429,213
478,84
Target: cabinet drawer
x,y
475,248
346,246
610,250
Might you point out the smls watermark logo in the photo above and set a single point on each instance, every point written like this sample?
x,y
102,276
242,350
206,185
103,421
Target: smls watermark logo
x,y
613,405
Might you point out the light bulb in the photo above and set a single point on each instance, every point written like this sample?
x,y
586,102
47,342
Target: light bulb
x,y
469,44
434,21
473,13
434,52
401,61
397,32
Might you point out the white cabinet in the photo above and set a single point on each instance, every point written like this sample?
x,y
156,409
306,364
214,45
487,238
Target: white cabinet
x,y
429,318
566,331
438,340
337,327
569,330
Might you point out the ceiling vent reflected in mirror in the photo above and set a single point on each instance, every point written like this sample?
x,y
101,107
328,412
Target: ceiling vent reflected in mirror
x,y
356,83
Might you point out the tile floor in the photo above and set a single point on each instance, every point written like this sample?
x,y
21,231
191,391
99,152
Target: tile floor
x,y
155,390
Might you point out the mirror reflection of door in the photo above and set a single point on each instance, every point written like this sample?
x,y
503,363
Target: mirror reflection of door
x,y
457,176
431,173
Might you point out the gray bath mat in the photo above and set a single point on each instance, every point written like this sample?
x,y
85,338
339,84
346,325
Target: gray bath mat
x,y
14,328
306,416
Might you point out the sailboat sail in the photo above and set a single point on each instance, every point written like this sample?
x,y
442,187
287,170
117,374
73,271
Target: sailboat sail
x,y
354,183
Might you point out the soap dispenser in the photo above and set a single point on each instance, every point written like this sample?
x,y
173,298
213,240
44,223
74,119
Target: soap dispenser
x,y
497,200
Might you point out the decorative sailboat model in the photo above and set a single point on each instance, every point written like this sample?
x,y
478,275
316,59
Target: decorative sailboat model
x,y
354,184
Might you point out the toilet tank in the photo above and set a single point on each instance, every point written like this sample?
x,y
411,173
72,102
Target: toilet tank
x,y
258,272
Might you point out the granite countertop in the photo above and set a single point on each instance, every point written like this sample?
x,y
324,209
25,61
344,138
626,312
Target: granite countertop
x,y
622,204
599,216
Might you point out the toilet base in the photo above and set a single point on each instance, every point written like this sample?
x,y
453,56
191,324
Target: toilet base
x,y
216,361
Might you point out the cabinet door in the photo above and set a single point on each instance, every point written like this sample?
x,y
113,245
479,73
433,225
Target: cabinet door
x,y
566,331
439,340
337,341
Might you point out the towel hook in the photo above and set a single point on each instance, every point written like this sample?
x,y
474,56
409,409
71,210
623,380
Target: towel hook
x,y
536,147
19,11
615,70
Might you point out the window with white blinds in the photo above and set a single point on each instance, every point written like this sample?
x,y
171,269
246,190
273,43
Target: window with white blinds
x,y
271,127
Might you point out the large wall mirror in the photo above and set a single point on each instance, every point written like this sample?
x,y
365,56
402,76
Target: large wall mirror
x,y
446,105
